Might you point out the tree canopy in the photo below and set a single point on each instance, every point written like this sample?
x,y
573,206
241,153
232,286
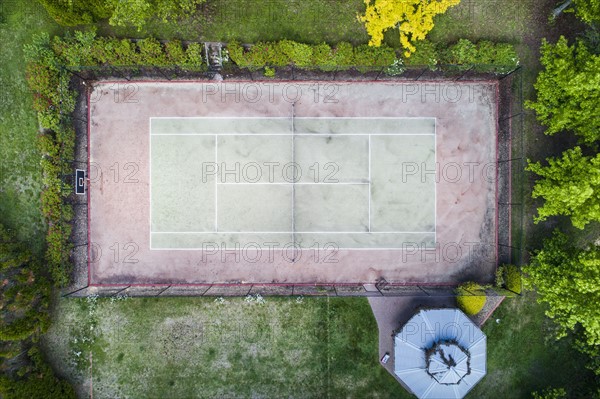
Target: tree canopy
x,y
588,10
119,12
567,279
23,293
568,90
413,18
570,186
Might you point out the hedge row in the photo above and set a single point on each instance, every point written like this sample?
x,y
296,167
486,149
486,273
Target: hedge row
x,y
319,56
54,103
86,49
484,56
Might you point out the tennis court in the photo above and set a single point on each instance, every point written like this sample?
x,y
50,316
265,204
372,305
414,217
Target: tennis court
x,y
291,182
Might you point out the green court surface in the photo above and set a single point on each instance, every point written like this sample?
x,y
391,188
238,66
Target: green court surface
x,y
361,183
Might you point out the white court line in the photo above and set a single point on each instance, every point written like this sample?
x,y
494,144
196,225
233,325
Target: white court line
x,y
305,249
150,180
233,117
370,191
435,181
289,232
295,184
294,134
216,185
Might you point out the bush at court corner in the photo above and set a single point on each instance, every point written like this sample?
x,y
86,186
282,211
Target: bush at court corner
x,y
483,56
470,298
509,277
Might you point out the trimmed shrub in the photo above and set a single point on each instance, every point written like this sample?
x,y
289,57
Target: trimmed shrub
x,y
124,53
485,56
175,53
320,56
368,58
513,279
463,54
298,54
323,57
269,72
504,58
151,52
236,53
426,54
193,56
470,298
509,277
344,55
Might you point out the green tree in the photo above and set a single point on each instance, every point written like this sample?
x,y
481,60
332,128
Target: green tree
x,y
550,393
74,12
567,279
570,186
130,12
568,90
413,19
119,12
587,10
23,293
39,382
173,10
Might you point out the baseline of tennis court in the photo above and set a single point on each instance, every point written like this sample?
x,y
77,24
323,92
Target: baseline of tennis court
x,y
240,181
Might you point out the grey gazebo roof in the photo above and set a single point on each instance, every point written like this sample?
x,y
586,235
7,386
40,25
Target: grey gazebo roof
x,y
439,354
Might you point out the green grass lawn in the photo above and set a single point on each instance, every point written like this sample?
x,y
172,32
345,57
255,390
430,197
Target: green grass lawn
x,y
523,356
312,21
321,347
20,178
196,347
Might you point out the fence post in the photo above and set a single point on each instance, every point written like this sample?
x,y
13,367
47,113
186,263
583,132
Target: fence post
x,y
510,73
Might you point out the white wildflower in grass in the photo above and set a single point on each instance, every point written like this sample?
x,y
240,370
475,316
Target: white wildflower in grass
x,y
219,300
249,298
300,299
260,299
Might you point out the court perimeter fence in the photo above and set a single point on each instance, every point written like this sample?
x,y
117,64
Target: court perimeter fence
x,y
510,166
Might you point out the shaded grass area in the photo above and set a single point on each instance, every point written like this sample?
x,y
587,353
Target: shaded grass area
x,y
309,21
20,172
524,357
196,347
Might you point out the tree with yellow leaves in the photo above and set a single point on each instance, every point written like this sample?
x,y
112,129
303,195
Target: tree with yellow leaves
x,y
414,18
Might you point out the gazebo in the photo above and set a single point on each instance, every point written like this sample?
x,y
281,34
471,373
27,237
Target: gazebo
x,y
439,354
